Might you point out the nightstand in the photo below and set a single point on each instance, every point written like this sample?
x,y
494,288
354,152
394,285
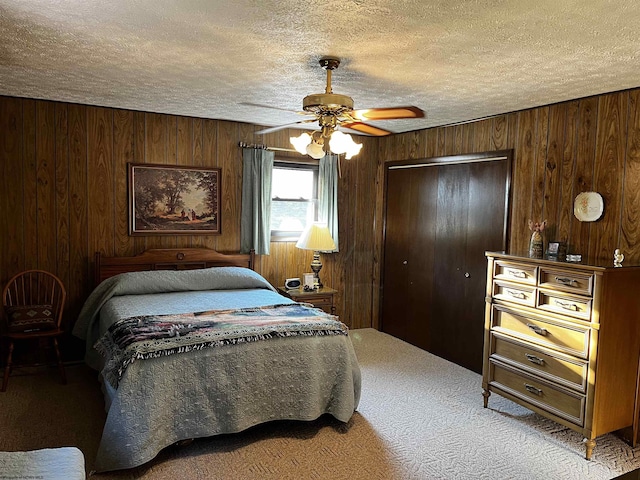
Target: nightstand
x,y
320,298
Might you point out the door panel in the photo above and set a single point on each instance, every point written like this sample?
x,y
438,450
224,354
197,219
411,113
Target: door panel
x,y
424,189
447,326
486,226
398,244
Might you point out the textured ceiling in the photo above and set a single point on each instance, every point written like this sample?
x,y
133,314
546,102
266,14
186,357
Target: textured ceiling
x,y
457,60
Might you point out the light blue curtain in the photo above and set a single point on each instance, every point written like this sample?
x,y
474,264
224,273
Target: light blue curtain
x,y
255,230
328,194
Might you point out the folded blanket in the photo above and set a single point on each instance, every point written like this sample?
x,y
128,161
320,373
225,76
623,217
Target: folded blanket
x,y
63,463
152,336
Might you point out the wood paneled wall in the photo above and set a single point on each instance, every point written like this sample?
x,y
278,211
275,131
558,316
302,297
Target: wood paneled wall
x,y
63,196
560,150
63,187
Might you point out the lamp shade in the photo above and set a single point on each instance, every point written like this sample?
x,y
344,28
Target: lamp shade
x,y
315,150
300,143
316,237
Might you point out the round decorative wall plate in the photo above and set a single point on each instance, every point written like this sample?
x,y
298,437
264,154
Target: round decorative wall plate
x,y
588,206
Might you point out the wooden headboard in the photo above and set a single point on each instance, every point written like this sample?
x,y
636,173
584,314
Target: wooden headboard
x,y
170,259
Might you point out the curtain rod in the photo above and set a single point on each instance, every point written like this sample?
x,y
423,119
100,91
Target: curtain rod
x,y
264,147
278,149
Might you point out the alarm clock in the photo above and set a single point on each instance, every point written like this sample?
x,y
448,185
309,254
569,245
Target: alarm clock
x,y
291,283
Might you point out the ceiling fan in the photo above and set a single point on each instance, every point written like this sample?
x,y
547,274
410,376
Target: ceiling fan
x,y
331,110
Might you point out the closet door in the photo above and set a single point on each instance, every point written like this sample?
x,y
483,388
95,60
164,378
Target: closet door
x,y
440,218
408,268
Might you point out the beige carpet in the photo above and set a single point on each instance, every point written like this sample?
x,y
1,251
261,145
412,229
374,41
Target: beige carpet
x,y
420,417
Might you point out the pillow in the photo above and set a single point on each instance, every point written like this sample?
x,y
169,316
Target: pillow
x,y
27,318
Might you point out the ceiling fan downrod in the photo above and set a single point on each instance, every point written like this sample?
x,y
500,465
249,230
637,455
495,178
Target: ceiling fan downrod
x,y
329,64
327,103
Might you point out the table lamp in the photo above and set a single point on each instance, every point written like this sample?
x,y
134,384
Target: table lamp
x,y
316,237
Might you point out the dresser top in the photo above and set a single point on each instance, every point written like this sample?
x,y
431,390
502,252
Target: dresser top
x,y
600,263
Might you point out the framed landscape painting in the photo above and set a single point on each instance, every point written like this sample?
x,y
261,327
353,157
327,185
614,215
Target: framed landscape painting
x,y
173,200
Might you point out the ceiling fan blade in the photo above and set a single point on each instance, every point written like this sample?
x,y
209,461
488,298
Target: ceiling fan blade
x,y
390,113
274,108
365,128
282,127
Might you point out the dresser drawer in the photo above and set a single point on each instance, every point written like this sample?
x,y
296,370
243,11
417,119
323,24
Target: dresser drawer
x,y
511,292
322,298
566,337
544,395
578,307
515,272
319,301
580,283
569,372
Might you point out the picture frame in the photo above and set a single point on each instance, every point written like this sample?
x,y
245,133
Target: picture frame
x,y
309,280
174,200
557,249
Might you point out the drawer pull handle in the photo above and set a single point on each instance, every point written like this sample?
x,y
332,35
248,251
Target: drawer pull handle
x,y
515,294
567,306
517,273
534,359
566,281
532,389
537,329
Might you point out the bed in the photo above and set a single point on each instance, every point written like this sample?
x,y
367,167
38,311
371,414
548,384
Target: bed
x,y
170,372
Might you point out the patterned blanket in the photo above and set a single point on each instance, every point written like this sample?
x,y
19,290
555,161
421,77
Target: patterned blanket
x,y
152,336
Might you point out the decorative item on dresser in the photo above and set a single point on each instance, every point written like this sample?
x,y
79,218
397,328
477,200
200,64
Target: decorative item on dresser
x,y
563,340
536,245
557,251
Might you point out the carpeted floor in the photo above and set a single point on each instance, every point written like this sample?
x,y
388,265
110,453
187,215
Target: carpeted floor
x,y
420,417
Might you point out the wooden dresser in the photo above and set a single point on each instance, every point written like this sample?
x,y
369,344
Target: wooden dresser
x,y
563,339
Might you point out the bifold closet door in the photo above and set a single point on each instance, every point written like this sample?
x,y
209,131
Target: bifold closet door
x,y
410,228
439,221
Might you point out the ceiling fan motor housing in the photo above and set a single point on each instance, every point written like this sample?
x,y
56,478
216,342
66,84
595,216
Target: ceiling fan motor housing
x,y
323,103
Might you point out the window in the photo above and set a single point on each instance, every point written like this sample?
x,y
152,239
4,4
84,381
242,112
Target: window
x,y
294,192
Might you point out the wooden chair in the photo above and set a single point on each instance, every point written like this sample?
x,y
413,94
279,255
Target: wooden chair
x,y
33,302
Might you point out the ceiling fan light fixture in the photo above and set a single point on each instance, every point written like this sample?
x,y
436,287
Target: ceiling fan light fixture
x,y
314,144
353,150
315,150
300,143
343,143
339,142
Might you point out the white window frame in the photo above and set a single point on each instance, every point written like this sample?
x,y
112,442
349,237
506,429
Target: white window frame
x,y
292,236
